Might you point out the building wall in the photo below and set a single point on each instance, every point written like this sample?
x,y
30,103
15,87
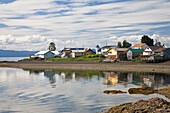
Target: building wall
x,y
49,55
90,52
129,55
104,50
77,54
112,53
40,56
147,52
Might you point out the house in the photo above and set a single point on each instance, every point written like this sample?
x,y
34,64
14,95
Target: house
x,y
66,53
72,52
150,50
46,54
133,53
112,53
104,49
122,53
89,51
117,53
165,52
157,55
140,46
76,52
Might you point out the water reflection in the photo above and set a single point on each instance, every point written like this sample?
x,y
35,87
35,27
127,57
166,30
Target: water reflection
x,y
50,91
152,80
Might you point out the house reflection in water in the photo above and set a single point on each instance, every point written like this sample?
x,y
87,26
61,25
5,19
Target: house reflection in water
x,y
153,80
110,78
52,78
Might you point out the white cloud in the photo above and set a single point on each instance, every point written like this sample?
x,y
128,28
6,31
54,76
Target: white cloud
x,y
38,42
124,19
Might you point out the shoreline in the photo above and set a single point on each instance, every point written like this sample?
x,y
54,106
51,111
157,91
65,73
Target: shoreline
x,y
152,105
92,66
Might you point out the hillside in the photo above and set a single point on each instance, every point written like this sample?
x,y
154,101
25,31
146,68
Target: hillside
x,y
12,53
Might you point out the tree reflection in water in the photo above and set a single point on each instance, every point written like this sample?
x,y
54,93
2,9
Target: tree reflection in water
x,y
152,80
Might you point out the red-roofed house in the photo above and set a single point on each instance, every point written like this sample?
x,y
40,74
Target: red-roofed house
x,y
140,46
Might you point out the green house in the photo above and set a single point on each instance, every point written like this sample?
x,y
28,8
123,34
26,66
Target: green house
x,y
133,53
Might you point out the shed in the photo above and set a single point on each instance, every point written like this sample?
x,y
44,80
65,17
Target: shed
x,y
45,54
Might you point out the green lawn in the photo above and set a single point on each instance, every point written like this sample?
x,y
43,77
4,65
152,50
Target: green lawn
x,y
84,58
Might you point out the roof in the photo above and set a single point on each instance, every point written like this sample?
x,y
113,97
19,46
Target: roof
x,y
159,50
43,52
100,50
80,51
55,52
108,46
75,48
155,47
66,50
97,46
121,49
136,50
138,45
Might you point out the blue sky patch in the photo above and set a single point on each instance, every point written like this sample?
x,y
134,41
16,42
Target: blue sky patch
x,y
91,13
6,1
3,25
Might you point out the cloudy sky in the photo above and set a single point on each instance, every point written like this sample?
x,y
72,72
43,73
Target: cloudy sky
x,y
33,24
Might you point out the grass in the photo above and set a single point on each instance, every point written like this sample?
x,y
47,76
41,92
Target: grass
x,y
74,59
27,59
136,59
94,57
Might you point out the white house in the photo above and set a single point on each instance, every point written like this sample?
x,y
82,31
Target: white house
x,y
150,50
47,54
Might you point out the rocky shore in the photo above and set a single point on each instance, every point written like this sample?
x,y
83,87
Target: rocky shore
x,y
154,105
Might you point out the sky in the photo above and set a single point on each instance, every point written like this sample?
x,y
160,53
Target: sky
x,y
33,24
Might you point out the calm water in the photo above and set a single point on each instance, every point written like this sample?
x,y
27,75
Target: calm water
x,y
52,91
11,58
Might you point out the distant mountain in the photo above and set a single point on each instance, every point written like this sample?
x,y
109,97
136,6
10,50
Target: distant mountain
x,y
12,53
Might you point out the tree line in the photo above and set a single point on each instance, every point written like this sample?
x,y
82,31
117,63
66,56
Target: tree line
x,y
145,39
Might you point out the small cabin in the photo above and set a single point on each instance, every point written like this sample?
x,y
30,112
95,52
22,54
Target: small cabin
x,y
45,54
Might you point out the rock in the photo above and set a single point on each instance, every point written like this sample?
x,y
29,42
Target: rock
x,y
145,91
113,91
154,105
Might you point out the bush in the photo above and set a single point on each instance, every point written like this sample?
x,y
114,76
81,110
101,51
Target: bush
x,y
136,59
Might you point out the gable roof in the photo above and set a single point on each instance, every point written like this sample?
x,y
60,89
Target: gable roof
x,y
77,51
44,52
66,50
155,47
136,50
109,46
160,50
41,52
75,48
121,49
139,45
97,46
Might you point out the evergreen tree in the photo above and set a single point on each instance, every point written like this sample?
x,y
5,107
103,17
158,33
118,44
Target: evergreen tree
x,y
119,45
52,47
126,44
158,43
147,40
